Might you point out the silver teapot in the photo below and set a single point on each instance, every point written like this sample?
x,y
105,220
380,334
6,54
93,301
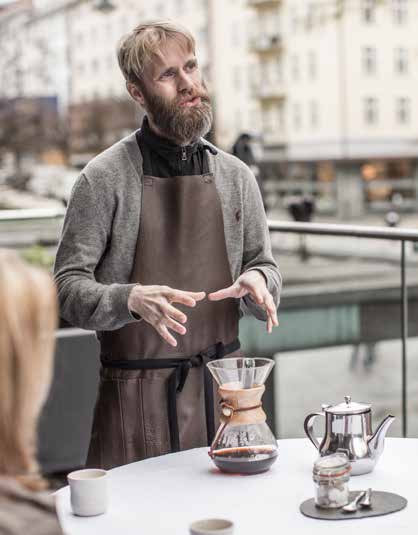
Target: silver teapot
x,y
348,428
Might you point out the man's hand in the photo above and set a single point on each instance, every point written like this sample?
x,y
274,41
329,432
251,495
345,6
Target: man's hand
x,y
251,283
153,304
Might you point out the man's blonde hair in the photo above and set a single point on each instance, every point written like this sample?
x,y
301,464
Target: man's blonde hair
x,y
28,317
138,48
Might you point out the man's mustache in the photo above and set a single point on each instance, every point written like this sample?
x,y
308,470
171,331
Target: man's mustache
x,y
203,95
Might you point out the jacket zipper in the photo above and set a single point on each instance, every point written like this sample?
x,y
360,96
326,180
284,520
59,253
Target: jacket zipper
x,y
183,154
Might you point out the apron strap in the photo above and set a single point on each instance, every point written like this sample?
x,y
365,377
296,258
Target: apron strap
x,y
177,380
176,383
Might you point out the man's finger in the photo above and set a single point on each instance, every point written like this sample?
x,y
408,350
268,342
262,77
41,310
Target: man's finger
x,y
269,324
163,332
185,298
175,313
256,295
271,309
231,291
174,326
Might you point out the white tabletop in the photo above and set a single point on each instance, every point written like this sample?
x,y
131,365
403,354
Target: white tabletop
x,y
163,495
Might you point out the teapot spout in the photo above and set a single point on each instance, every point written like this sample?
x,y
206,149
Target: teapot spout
x,y
376,441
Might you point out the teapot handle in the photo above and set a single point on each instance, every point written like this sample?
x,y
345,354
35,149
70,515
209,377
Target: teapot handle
x,y
308,426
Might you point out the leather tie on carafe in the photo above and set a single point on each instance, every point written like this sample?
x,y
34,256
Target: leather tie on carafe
x,y
229,412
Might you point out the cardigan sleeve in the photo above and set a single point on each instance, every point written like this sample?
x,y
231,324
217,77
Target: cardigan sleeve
x,y
257,252
84,302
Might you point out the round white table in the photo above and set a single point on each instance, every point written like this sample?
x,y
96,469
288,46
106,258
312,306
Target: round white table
x,y
163,495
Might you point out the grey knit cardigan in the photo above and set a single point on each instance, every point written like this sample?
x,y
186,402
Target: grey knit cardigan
x,y
97,246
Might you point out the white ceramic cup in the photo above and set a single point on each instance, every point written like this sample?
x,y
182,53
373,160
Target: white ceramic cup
x,y
212,526
88,491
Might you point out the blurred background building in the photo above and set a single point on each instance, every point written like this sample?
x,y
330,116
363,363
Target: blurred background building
x,y
336,86
326,88
67,49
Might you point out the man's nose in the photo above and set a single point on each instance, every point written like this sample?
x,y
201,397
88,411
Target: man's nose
x,y
185,82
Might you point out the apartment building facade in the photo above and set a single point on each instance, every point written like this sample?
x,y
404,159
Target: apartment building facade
x,y
338,84
13,18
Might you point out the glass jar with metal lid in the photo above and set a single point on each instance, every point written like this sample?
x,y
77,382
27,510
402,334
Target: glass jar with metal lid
x,y
331,475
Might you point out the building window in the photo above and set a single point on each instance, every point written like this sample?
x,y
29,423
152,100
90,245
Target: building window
x,y
312,65
368,11
238,120
403,110
314,113
237,77
401,60
268,122
235,35
278,68
294,19
264,72
400,11
310,16
369,60
297,117
370,110
280,118
295,68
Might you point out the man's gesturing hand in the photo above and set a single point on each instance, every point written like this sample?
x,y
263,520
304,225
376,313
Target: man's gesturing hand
x,y
254,284
153,304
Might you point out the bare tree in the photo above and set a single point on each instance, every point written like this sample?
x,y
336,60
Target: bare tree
x,y
97,124
28,125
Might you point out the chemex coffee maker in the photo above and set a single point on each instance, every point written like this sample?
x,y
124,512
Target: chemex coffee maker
x,y
243,443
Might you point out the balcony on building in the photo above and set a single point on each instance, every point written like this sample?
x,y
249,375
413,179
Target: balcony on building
x,y
266,43
274,138
268,91
264,3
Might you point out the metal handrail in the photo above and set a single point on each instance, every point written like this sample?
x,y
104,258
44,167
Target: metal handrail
x,y
378,233
353,231
30,214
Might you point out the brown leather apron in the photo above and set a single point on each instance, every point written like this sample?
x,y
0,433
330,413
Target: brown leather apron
x,y
154,398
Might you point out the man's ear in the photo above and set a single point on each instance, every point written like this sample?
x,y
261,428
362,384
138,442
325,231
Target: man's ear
x,y
135,93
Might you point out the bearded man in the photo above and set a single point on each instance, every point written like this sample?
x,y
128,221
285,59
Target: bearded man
x,y
164,245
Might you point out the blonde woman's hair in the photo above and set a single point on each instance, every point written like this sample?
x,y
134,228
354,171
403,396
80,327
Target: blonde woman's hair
x,y
138,48
28,317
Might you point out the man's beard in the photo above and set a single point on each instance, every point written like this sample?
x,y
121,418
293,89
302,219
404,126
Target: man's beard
x,y
181,124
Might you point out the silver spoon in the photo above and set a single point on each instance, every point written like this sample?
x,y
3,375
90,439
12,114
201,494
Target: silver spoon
x,y
367,500
352,506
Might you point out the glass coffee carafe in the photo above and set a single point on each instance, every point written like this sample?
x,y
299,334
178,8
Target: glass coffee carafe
x,y
243,443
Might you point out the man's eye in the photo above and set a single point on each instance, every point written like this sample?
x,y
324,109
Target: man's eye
x,y
192,66
167,74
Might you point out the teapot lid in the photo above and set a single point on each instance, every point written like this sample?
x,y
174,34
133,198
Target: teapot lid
x,y
348,407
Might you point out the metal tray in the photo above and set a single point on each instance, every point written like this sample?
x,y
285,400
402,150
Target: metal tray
x,y
383,503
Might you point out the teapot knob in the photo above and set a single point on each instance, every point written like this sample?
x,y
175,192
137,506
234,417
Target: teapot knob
x,y
347,399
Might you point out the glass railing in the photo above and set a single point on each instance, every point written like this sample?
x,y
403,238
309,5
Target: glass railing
x,y
347,320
